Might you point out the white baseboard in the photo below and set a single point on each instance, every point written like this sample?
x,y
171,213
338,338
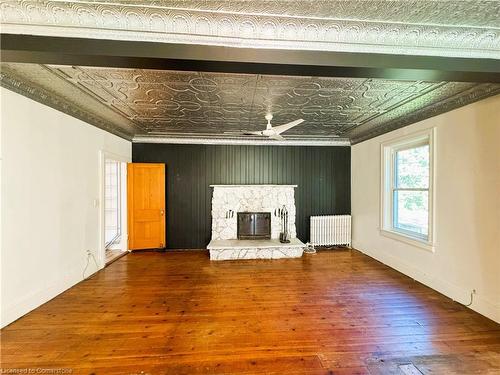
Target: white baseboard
x,y
29,302
481,305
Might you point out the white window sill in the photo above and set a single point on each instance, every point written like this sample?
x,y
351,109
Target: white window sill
x,y
409,240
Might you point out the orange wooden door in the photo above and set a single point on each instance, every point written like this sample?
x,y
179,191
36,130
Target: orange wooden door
x,y
146,205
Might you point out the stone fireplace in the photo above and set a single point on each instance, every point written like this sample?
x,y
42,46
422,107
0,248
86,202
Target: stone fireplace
x,y
246,222
230,199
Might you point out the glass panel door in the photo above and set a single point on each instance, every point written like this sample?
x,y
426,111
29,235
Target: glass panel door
x,y
112,202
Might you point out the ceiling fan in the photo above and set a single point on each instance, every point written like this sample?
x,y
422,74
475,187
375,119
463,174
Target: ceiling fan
x,y
273,132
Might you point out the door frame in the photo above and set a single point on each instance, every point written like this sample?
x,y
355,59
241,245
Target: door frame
x,y
103,155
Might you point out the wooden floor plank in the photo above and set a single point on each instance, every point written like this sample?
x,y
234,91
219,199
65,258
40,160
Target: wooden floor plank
x,y
334,312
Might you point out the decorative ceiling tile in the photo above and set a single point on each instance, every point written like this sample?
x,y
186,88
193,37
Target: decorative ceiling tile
x,y
137,103
432,28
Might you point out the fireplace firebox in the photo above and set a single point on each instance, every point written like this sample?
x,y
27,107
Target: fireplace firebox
x,y
254,225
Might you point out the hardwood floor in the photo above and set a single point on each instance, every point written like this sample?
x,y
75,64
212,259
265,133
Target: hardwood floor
x,y
335,312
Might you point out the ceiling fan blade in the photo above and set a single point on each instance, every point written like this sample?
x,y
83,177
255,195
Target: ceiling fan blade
x,y
277,137
282,128
244,133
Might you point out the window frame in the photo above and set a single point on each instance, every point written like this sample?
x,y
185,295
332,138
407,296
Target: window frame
x,y
388,184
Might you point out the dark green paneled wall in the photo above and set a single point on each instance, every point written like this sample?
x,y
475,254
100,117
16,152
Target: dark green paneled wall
x,y
321,173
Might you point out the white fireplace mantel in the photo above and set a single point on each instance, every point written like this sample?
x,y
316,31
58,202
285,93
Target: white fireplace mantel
x,y
252,185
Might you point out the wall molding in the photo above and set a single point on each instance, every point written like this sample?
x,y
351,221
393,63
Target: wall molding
x,y
429,31
433,108
50,99
242,141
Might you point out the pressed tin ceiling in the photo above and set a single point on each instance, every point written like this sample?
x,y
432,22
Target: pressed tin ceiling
x,y
155,105
414,27
149,105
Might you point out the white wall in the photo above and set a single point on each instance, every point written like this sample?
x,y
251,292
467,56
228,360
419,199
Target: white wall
x,y
49,186
467,207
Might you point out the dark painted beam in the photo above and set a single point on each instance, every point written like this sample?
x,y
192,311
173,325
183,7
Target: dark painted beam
x,y
187,57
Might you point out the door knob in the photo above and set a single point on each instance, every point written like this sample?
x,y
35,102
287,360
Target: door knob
x,y
162,212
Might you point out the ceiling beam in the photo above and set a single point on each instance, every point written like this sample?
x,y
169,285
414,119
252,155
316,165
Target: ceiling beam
x,y
17,48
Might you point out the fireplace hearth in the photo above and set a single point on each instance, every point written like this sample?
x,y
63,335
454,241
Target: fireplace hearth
x,y
254,226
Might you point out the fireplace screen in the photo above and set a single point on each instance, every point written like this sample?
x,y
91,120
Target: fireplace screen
x,y
254,225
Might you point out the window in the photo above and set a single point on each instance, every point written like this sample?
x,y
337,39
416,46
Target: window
x,y
407,166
